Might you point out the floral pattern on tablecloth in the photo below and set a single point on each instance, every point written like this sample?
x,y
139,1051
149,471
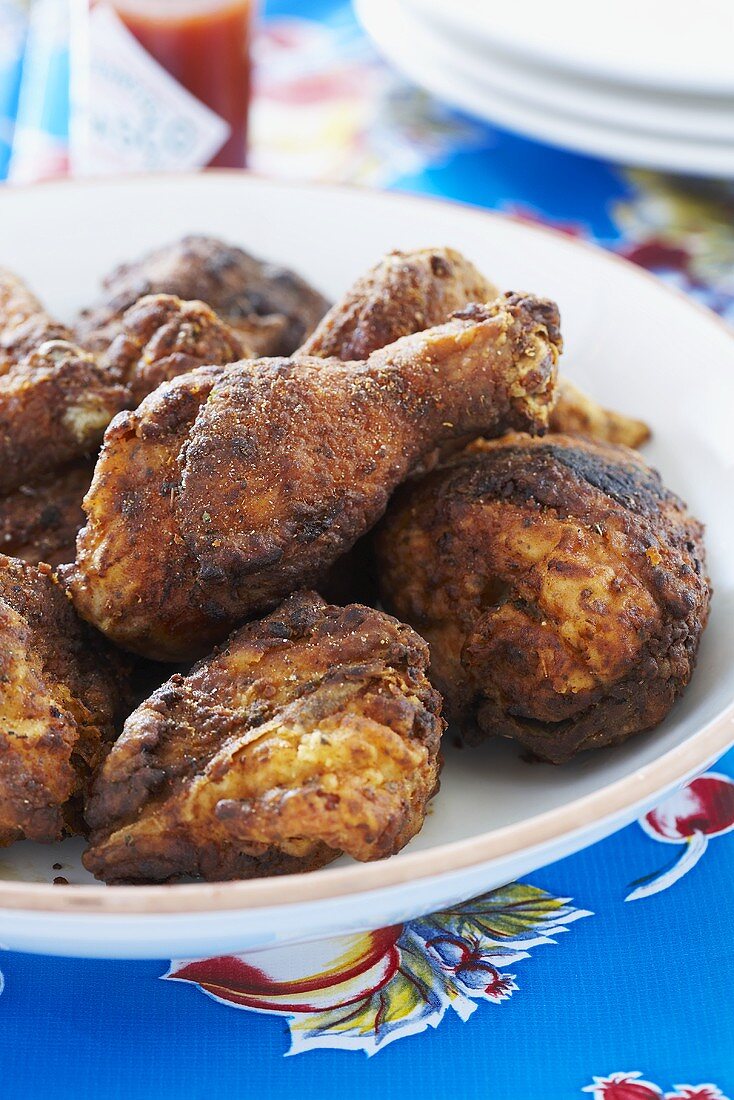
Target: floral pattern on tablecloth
x,y
368,990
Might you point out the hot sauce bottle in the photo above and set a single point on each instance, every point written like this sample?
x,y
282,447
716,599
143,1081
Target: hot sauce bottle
x,y
160,84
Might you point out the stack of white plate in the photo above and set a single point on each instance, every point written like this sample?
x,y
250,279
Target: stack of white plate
x,y
644,82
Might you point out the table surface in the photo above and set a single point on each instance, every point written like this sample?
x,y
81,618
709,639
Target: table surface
x,y
554,987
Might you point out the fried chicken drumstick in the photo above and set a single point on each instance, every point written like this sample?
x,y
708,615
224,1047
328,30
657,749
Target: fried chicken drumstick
x,y
310,733
561,587
59,695
228,489
271,308
410,291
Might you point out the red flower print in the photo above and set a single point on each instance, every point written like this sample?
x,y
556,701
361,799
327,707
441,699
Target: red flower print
x,y
702,809
630,1086
623,1086
657,255
696,1092
706,806
271,982
364,990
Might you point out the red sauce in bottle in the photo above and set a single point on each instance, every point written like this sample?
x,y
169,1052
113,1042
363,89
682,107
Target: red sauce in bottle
x,y
206,46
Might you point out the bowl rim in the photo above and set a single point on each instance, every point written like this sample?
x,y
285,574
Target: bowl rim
x,y
552,826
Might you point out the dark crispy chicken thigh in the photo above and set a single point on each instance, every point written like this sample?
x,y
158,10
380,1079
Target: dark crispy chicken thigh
x,y
228,489
59,693
310,733
271,308
562,589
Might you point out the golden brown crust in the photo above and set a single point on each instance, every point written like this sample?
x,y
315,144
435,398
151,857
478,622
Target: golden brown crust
x,y
55,400
576,412
278,466
134,577
311,732
24,324
161,337
405,292
54,407
57,706
271,308
562,588
39,521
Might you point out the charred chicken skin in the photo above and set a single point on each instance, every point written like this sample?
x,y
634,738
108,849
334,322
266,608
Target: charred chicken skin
x,y
60,689
310,733
271,308
228,489
410,291
562,589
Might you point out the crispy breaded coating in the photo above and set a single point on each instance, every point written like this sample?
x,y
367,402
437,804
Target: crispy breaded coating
x,y
134,575
59,693
24,323
54,407
561,586
39,521
56,400
271,307
410,291
405,292
228,490
310,733
575,412
162,336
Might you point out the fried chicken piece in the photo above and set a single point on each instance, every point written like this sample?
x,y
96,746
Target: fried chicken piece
x,y
39,521
575,412
54,407
162,336
56,400
24,324
310,733
228,489
405,292
57,707
410,291
134,575
271,307
561,586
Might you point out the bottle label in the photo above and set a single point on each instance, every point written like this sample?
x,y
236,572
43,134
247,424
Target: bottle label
x,y
129,114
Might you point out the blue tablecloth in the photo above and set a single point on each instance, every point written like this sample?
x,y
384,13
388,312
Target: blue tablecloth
x,y
609,973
